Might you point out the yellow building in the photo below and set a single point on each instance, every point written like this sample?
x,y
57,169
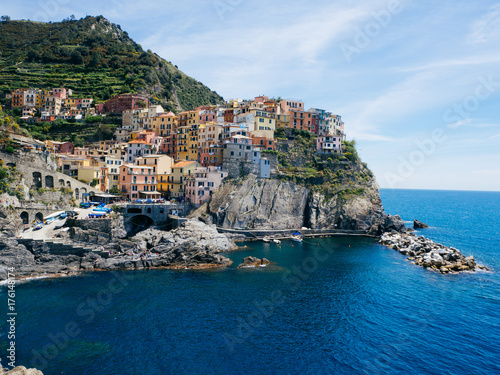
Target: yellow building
x,y
173,184
282,121
164,124
88,174
264,120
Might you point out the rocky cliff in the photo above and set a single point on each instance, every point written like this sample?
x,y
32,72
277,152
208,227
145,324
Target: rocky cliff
x,y
273,204
193,245
260,204
307,190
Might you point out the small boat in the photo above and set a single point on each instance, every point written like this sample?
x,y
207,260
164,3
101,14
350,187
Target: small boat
x,y
277,241
297,238
63,216
266,239
38,226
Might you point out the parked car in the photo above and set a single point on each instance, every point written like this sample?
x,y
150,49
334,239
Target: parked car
x,y
85,205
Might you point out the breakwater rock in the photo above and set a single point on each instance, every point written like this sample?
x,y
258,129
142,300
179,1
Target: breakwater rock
x,y
20,370
419,225
252,262
426,253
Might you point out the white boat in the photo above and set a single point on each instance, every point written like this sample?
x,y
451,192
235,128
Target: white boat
x,y
266,239
277,241
297,238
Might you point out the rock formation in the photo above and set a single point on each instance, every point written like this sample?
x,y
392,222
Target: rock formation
x,y
20,370
252,262
260,204
274,204
419,225
426,253
193,245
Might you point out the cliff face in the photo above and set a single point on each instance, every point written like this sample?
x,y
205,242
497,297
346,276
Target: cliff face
x,y
357,212
273,204
260,204
308,190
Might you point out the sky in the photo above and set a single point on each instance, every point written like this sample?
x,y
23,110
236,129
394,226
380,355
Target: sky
x,y
417,83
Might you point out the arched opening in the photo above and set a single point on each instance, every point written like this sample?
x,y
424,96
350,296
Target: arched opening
x,y
11,165
83,191
77,193
25,217
68,184
140,223
39,216
37,180
49,182
149,210
61,182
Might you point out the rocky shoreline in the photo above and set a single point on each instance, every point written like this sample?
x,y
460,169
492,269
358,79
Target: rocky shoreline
x,y
194,245
20,370
426,253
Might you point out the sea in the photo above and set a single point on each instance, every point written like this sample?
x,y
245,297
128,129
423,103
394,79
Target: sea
x,y
343,305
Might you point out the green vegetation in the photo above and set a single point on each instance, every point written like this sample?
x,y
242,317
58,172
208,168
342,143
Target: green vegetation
x,y
94,58
344,176
8,177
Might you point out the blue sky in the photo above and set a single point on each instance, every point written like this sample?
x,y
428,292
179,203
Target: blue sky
x,y
416,82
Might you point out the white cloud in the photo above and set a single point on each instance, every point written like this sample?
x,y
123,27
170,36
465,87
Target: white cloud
x,y
485,28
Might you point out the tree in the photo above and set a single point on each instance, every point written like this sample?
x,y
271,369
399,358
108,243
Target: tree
x,y
115,191
95,60
76,58
5,18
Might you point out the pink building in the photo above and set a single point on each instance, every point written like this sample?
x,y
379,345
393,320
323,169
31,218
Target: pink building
x,y
137,181
329,144
198,187
288,105
207,116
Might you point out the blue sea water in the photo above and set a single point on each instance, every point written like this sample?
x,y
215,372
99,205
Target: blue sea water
x,y
340,305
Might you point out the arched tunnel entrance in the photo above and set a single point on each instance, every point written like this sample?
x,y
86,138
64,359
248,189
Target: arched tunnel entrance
x,y
39,216
49,182
139,223
37,180
25,217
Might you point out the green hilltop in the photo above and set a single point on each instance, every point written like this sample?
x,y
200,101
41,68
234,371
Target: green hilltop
x,y
94,58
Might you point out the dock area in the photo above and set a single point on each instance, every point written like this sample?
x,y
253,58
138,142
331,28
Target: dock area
x,y
284,234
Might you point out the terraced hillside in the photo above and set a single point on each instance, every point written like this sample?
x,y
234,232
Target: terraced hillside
x,y
93,57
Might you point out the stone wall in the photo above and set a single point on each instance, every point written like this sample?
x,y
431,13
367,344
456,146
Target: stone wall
x,y
36,174
99,225
239,168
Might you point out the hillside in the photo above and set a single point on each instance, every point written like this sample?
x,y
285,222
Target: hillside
x,y
95,58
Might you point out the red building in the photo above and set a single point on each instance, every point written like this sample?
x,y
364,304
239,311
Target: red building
x,y
120,103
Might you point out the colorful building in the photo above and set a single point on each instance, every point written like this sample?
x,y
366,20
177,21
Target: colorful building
x,y
202,183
